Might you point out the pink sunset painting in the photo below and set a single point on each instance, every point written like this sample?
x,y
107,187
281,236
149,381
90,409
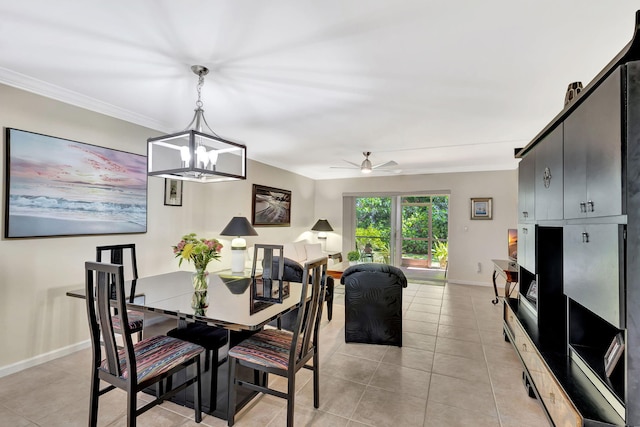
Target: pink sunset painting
x,y
60,187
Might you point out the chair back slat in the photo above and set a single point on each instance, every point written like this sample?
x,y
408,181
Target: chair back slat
x,y
309,313
100,280
116,255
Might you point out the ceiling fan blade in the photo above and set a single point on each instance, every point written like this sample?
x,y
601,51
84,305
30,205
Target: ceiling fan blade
x,y
354,164
383,165
343,167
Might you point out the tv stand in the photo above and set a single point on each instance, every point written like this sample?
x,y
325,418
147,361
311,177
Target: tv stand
x,y
507,270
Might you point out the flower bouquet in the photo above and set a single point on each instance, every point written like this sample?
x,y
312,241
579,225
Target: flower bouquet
x,y
201,252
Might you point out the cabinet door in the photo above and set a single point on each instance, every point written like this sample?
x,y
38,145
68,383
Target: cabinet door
x,y
526,188
592,154
549,176
591,269
527,247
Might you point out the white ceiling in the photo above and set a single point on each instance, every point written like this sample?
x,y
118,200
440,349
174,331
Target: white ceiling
x,y
437,86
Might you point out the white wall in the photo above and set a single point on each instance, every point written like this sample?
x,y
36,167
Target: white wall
x,y
38,320
470,241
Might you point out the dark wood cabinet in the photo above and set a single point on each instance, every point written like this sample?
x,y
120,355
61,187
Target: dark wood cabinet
x,y
549,176
526,189
527,246
593,153
585,260
592,269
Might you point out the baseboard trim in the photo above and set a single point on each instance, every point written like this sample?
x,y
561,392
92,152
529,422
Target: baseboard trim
x,y
469,282
43,358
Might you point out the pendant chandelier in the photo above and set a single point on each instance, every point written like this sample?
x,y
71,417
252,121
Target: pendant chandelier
x,y
197,153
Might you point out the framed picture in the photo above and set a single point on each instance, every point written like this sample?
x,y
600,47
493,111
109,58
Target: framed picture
x,y
270,207
481,208
172,192
611,357
58,187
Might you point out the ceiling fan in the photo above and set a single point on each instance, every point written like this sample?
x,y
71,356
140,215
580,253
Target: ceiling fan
x,y
366,166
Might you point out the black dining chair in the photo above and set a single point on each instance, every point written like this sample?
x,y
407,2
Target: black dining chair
x,y
115,255
283,353
134,367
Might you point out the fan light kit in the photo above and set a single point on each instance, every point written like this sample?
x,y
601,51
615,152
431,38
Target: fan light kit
x,y
366,166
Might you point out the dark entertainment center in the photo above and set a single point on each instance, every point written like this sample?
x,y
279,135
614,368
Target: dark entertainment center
x,y
575,323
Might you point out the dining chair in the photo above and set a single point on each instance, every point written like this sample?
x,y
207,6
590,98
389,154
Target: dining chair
x,y
134,367
283,353
115,254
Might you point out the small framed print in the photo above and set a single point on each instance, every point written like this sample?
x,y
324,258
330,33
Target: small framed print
x,y
172,192
481,208
612,356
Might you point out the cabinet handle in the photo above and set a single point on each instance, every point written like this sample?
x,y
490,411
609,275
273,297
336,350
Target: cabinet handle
x,y
583,207
525,214
585,237
590,206
524,346
552,397
525,231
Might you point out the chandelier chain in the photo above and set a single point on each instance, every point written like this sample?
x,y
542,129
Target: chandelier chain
x,y
199,88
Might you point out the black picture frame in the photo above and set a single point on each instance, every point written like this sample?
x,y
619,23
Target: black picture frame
x,y
270,207
172,192
58,187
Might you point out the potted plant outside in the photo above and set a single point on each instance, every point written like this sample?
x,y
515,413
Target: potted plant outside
x,y
353,257
441,252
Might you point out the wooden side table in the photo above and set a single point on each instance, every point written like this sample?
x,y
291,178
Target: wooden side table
x,y
336,270
509,271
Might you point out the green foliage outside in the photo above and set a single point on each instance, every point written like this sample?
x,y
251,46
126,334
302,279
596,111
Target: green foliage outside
x,y
373,216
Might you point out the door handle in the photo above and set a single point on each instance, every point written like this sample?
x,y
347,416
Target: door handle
x,y
590,206
583,207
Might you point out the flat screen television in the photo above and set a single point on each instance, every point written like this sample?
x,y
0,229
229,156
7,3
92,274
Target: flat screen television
x,y
513,244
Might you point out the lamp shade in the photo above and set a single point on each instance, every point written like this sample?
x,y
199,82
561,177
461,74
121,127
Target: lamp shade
x,y
239,226
322,225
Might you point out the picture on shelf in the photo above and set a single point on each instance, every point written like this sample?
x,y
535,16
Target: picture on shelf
x,y
532,293
612,356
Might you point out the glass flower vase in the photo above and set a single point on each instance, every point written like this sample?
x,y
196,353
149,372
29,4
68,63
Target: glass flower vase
x,y
200,302
200,280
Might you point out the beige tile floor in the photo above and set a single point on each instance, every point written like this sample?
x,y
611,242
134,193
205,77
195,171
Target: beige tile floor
x,y
454,369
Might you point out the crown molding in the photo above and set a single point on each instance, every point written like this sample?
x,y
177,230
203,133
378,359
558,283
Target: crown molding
x,y
48,90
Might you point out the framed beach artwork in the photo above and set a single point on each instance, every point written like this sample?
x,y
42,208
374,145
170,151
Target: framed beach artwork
x,y
270,207
58,187
481,208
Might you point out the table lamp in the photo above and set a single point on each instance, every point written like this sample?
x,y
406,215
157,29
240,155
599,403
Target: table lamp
x,y
322,226
238,226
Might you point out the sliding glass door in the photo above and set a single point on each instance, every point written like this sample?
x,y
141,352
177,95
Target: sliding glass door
x,y
407,231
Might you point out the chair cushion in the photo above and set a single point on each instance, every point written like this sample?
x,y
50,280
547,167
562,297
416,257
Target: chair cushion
x,y
268,348
136,321
206,336
157,355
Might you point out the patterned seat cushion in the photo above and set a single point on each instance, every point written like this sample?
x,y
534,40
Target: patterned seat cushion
x,y
268,348
136,320
157,355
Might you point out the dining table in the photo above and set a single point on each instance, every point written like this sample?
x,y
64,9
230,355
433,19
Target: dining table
x,y
232,304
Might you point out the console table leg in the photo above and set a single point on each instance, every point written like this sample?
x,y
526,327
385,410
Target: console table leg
x,y
495,286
